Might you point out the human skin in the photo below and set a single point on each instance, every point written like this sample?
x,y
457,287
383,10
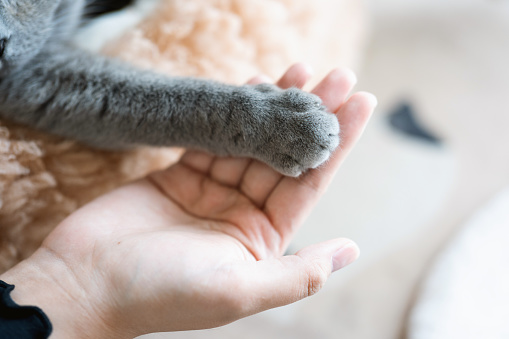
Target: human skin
x,y
195,246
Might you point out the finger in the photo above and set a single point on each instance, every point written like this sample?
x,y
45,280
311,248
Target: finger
x,y
260,79
301,194
296,76
258,182
342,80
229,171
198,161
277,282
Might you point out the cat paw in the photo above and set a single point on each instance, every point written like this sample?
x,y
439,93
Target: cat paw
x,y
301,133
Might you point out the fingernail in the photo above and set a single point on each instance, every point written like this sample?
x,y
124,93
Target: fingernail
x,y
307,68
340,73
261,79
351,75
265,78
372,99
345,256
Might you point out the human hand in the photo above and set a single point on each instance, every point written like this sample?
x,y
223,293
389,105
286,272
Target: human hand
x,y
195,246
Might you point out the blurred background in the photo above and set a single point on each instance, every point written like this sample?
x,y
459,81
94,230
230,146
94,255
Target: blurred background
x,y
423,193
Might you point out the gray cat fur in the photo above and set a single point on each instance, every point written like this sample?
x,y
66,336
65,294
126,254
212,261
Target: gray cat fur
x,y
48,84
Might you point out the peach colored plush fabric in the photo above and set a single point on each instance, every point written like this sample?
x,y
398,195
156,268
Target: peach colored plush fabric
x,y
44,178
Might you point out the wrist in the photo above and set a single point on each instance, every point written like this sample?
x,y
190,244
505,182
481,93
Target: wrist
x,y
45,281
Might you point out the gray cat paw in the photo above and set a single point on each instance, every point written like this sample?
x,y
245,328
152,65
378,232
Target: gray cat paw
x,y
301,133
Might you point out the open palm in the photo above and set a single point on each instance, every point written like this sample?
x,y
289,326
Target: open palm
x,y
201,243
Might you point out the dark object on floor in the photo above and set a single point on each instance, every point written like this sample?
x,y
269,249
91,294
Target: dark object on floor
x,y
95,8
403,120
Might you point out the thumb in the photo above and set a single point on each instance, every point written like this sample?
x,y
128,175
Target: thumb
x,y
281,281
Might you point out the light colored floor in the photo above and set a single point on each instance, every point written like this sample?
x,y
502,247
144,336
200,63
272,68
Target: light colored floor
x,y
398,198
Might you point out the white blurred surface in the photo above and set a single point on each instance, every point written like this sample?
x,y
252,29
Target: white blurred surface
x,y
466,293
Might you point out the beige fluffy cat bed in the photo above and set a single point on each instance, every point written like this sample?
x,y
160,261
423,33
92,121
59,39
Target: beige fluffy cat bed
x,y
44,178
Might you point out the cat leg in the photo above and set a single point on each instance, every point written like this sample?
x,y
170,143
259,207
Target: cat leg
x,y
110,105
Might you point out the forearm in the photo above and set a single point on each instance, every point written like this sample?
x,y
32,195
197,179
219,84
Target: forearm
x,y
46,282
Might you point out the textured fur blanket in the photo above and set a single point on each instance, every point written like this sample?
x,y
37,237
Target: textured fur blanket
x,y
44,178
